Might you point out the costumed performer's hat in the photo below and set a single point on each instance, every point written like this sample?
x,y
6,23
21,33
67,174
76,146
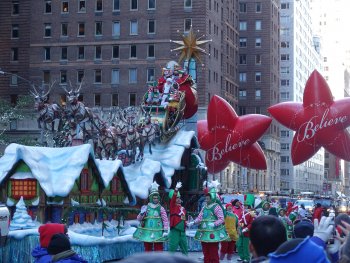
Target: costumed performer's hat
x,y
249,199
153,190
171,193
212,190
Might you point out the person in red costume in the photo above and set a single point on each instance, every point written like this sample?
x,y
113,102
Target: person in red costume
x,y
291,208
237,208
318,213
177,235
243,240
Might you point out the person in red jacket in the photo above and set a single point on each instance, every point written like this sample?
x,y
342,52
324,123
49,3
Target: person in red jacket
x,y
177,235
243,240
317,213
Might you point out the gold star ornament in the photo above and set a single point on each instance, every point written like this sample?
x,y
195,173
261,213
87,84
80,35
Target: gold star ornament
x,y
190,46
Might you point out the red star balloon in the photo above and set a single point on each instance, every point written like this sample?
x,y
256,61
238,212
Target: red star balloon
x,y
318,121
226,137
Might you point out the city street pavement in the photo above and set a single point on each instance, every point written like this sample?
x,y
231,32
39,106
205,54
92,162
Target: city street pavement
x,y
198,257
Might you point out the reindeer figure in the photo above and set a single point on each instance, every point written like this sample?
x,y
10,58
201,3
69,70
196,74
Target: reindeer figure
x,y
48,113
149,131
132,142
107,142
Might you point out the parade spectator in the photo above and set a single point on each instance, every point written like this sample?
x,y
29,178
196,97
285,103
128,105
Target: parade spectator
x,y
46,232
244,233
231,224
211,229
177,235
60,250
266,235
157,257
339,220
318,212
303,228
153,229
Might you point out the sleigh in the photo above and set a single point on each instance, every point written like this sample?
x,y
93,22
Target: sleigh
x,y
168,118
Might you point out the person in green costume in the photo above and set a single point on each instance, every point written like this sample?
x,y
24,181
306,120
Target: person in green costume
x,y
286,222
153,228
177,235
211,230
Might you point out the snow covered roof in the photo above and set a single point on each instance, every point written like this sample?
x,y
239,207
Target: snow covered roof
x,y
56,169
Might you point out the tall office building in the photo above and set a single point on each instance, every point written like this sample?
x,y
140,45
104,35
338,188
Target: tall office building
x,y
299,57
259,83
115,46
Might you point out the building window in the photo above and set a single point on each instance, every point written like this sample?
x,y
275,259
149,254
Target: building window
x,y
99,6
116,29
150,74
47,77
98,52
81,29
48,9
98,28
258,59
63,79
132,99
242,94
115,51
115,99
284,5
82,6
285,57
151,51
65,7
132,75
64,53
98,76
284,82
151,4
115,76
257,110
133,4
187,24
15,7
242,42
15,32
242,110
284,146
284,159
242,7
243,59
258,94
80,76
116,5
242,77
14,79
81,52
133,27
243,25
258,7
258,42
188,3
284,44
284,171
23,187
97,100
133,51
257,76
14,54
284,95
258,25
151,26
284,70
47,28
284,133
64,29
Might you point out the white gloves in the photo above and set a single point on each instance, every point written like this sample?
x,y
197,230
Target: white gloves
x,y
178,185
143,209
211,224
323,230
165,234
189,224
333,248
245,230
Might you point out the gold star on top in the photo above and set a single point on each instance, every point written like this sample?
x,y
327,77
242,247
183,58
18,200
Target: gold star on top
x,y
190,46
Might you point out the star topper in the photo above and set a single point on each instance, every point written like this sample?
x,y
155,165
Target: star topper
x,y
226,137
318,122
189,46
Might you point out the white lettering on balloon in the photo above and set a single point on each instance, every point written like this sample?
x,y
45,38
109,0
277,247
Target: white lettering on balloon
x,y
217,152
308,129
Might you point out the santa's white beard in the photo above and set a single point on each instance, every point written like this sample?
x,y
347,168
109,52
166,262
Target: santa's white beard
x,y
167,88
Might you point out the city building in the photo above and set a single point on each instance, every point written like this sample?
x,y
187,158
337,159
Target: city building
x,y
259,82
